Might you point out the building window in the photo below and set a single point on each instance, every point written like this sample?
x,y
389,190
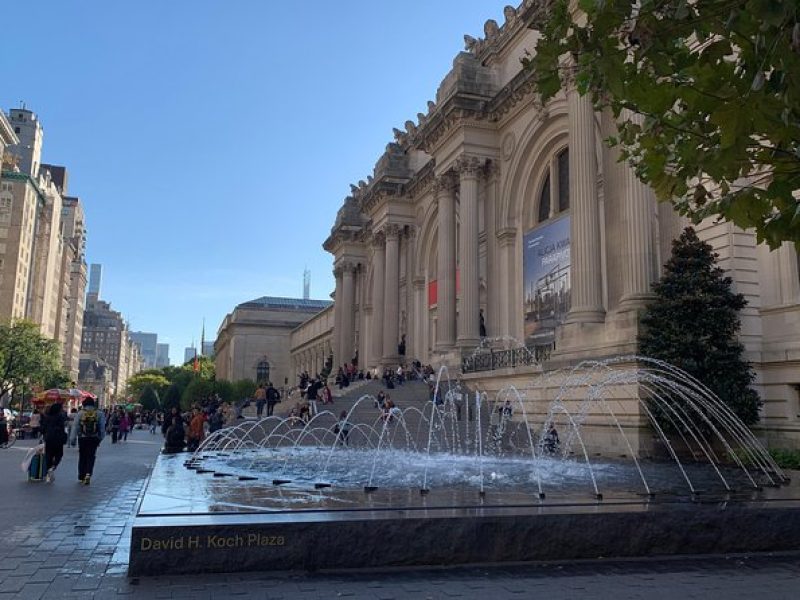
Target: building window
x,y
563,180
262,372
16,129
554,195
544,200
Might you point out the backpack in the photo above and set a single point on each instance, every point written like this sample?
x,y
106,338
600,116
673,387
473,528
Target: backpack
x,y
89,425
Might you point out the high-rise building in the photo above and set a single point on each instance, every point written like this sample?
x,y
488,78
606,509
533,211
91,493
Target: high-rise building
x,y
208,348
43,238
30,133
105,335
95,275
45,293
148,343
162,355
20,202
7,135
189,353
72,286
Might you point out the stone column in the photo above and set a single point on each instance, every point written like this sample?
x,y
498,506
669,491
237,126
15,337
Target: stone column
x,y
506,241
378,283
337,316
639,202
585,251
391,316
420,318
469,168
446,267
493,296
411,299
347,324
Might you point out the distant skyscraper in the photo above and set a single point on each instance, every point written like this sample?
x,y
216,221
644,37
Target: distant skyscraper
x,y
95,274
162,355
148,343
306,284
208,348
189,353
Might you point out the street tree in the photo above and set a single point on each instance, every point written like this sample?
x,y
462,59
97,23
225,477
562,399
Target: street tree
x,y
27,358
152,378
693,324
149,399
706,96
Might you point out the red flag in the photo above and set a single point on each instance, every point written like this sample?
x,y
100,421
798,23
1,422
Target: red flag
x,y
196,364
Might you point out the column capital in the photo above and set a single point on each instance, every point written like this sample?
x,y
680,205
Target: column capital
x,y
567,71
445,183
378,239
392,231
468,166
348,266
338,270
491,170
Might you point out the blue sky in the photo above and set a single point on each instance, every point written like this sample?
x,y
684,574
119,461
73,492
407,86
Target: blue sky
x,y
212,142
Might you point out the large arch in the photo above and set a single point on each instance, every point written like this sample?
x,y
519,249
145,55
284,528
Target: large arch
x,y
518,188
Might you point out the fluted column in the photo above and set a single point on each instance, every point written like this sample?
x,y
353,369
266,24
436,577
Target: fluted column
x,y
493,288
446,266
469,169
348,302
337,317
420,318
585,251
378,291
391,316
506,241
411,304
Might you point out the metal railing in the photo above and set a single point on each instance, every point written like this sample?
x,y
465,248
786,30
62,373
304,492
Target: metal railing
x,y
490,359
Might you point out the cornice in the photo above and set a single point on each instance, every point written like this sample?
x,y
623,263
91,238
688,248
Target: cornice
x,y
421,182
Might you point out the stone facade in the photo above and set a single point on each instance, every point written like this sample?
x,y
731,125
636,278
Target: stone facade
x,y
311,344
433,247
253,341
106,337
42,239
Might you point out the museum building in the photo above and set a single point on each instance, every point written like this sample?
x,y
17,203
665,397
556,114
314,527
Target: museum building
x,y
493,217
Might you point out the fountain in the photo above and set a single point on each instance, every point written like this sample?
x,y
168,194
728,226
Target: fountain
x,y
467,470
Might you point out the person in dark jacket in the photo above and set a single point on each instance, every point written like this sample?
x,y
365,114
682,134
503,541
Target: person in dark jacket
x,y
55,436
175,436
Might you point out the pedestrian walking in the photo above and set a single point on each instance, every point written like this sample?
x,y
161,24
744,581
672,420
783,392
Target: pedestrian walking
x,y
55,436
125,424
261,399
113,425
88,429
273,397
36,423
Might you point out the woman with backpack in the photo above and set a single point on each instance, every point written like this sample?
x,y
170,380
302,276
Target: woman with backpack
x,y
55,436
88,429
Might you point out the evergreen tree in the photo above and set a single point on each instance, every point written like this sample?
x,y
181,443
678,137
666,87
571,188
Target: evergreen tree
x,y
693,322
172,397
149,399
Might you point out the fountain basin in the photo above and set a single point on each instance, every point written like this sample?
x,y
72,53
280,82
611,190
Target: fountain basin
x,y
190,523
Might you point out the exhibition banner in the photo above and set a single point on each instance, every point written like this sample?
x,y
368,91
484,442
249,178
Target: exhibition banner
x,y
546,281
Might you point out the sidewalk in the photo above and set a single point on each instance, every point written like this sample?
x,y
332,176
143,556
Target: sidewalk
x,y
66,540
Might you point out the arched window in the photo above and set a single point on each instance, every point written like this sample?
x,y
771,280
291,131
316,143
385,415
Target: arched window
x,y
554,197
262,372
544,200
563,180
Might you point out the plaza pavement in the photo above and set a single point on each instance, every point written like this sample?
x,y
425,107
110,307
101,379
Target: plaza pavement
x,y
66,540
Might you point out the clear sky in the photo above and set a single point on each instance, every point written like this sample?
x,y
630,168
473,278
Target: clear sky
x,y
213,141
